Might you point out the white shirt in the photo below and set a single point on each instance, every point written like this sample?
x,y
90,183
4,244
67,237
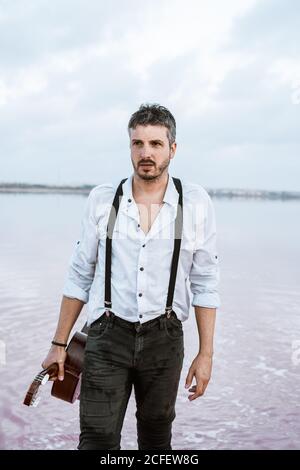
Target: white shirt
x,y
140,294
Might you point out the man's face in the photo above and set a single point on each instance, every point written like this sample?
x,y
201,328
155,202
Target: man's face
x,y
150,151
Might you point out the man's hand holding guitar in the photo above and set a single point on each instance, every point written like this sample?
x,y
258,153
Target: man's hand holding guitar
x,y
57,354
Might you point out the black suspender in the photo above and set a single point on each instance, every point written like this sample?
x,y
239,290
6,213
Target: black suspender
x,y
109,232
177,242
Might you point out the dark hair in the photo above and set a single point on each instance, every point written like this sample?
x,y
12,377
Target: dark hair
x,y
155,115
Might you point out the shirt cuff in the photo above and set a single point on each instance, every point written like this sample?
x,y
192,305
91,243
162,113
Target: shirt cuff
x,y
72,291
208,300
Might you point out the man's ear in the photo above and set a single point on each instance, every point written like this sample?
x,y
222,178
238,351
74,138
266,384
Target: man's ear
x,y
173,148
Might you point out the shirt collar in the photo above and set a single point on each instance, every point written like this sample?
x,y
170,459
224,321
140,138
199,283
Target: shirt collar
x,y
170,196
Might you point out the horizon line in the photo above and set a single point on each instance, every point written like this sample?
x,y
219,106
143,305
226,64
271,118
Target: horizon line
x,y
86,188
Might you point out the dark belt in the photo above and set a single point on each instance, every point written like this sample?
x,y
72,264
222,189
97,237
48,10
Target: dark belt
x,y
113,318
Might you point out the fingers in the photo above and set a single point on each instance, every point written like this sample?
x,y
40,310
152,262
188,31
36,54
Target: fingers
x,y
61,371
201,370
189,379
55,362
197,394
197,390
53,378
45,364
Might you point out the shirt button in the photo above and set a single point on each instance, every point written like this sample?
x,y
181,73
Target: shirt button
x,y
140,316
142,269
129,200
138,225
140,294
143,246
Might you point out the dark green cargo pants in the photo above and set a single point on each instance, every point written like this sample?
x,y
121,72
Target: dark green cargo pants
x,y
121,354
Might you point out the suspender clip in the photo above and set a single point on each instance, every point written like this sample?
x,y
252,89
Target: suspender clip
x,y
108,305
168,311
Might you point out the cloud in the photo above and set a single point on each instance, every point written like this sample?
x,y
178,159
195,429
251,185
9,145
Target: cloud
x,y
270,29
72,72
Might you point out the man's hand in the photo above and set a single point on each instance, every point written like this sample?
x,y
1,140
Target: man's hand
x,y
201,369
69,312
57,354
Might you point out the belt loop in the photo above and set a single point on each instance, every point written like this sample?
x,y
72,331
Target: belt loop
x,y
161,323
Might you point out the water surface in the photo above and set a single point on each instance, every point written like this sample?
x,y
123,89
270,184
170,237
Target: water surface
x,y
252,401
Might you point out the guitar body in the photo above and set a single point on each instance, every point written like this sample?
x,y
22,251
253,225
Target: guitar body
x,y
69,389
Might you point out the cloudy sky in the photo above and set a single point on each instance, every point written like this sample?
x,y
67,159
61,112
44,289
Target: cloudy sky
x,y
73,71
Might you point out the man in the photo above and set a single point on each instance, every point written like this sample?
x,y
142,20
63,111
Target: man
x,y
133,339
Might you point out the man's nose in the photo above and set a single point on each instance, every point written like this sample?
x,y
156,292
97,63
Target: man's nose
x,y
145,151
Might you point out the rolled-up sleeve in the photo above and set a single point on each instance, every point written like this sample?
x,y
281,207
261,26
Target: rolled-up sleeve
x,y
205,272
82,264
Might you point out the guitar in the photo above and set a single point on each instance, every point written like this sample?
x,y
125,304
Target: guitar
x,y
69,388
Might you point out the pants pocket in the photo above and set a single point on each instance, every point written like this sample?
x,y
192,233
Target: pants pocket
x,y
173,328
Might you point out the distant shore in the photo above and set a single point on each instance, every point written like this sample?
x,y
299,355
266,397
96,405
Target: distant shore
x,y
42,188
85,189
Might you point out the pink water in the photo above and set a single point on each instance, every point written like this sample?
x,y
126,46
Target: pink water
x,y
252,401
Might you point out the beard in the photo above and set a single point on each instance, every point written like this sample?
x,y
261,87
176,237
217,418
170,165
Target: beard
x,y
154,171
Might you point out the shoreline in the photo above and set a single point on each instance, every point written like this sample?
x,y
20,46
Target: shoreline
x,y
85,189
